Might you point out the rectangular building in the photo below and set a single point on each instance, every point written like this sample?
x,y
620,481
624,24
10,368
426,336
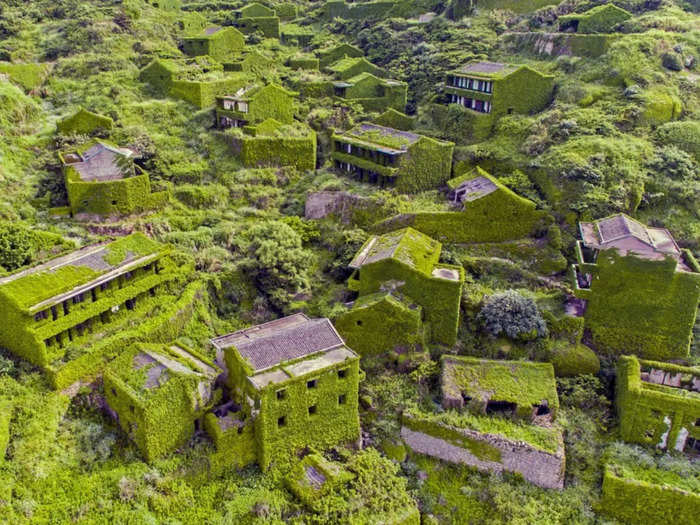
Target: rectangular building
x,y
298,382
65,302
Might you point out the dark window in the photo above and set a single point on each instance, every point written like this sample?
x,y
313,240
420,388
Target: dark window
x,y
78,298
312,383
114,392
131,407
496,407
129,304
510,111
342,398
281,421
313,409
359,322
114,203
342,374
40,316
104,286
697,422
54,313
281,394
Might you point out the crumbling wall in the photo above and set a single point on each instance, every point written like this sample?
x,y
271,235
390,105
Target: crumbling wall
x,y
487,452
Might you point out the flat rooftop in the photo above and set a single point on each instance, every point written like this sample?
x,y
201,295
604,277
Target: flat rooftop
x,y
485,68
63,277
473,189
271,344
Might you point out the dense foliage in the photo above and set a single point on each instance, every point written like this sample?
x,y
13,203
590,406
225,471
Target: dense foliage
x,y
620,132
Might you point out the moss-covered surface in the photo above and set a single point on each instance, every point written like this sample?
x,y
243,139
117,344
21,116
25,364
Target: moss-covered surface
x,y
642,307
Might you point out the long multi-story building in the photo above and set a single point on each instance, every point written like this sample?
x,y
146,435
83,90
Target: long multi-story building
x,y
68,301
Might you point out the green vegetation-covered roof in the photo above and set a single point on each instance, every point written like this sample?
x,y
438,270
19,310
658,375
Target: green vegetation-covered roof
x,y
485,69
346,63
380,136
407,246
41,284
148,367
521,382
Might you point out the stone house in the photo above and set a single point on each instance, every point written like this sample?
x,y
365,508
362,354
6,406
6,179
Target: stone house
x,y
493,89
371,92
331,55
348,67
158,394
68,301
254,104
659,404
500,416
389,157
407,261
600,19
294,384
641,289
220,43
84,122
102,181
257,17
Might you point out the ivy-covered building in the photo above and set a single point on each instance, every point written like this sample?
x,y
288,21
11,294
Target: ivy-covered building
x,y
389,157
407,261
383,323
499,416
197,80
257,17
328,56
492,89
487,211
63,304
349,67
220,43
253,104
294,383
371,92
102,180
273,144
659,404
600,19
159,393
84,122
642,295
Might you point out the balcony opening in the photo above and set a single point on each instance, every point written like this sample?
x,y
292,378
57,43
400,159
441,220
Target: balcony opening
x,y
500,408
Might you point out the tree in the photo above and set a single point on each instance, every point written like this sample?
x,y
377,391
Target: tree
x,y
514,315
277,261
16,247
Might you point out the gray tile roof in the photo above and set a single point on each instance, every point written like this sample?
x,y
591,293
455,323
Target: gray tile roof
x,y
270,344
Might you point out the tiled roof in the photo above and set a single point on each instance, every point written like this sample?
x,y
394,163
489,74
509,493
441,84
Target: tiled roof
x,y
270,344
103,162
475,188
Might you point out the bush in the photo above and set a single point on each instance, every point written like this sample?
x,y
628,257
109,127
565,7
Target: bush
x,y
277,261
572,360
16,248
514,315
672,61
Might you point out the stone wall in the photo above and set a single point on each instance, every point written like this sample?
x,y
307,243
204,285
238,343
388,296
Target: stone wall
x,y
536,466
340,203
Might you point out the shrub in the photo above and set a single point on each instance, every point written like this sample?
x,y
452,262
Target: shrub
x,y
572,360
16,248
514,315
277,261
672,61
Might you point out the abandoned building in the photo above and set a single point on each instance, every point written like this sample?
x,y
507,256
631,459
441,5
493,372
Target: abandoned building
x,y
257,17
349,67
330,55
294,384
371,92
389,157
519,390
659,404
495,89
383,323
600,19
64,302
253,104
626,235
407,261
220,43
500,416
103,180
158,394
84,122
624,268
